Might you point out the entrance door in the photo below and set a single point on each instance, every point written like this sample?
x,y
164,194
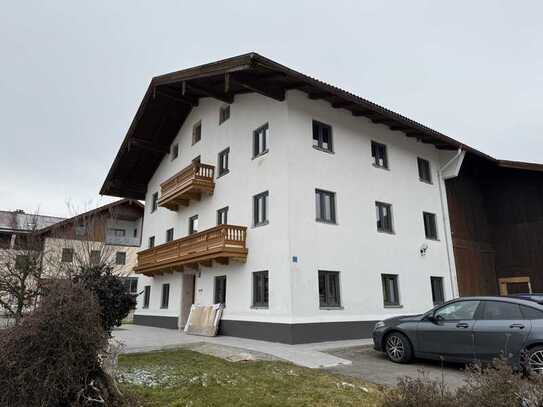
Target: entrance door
x,y
515,285
187,298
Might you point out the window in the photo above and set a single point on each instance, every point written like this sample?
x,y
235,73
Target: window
x,y
136,232
260,289
131,284
193,224
80,230
224,114
325,203
457,311
497,310
260,209
391,295
154,202
151,242
329,289
175,151
95,257
120,258
220,290
117,232
425,175
146,296
67,255
531,313
379,154
169,235
260,140
222,216
322,136
223,162
165,296
196,133
22,261
430,227
383,213
437,290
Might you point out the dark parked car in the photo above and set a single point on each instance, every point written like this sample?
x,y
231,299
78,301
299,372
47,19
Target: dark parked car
x,y
466,329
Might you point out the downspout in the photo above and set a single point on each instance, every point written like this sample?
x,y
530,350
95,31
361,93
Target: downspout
x,y
442,179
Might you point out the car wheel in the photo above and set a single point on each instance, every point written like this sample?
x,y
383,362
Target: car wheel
x,y
535,359
398,348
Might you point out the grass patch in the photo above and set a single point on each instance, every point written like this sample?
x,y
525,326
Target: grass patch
x,y
186,378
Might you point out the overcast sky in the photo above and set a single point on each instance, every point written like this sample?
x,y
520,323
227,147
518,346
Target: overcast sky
x,y
72,73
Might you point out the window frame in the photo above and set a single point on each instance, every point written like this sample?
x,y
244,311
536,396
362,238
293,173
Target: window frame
x,y
436,300
191,225
174,151
216,292
265,287
422,169
257,150
151,242
317,127
224,113
223,170
122,256
329,302
146,296
154,202
396,287
165,296
220,212
63,258
256,211
433,217
320,195
169,235
375,146
387,206
196,132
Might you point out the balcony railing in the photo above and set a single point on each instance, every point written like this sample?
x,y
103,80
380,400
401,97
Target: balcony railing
x,y
187,184
220,244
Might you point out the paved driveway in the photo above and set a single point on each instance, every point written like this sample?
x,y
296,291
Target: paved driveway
x,y
373,366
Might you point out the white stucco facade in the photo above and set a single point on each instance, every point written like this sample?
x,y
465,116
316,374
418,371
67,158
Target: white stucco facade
x,y
293,246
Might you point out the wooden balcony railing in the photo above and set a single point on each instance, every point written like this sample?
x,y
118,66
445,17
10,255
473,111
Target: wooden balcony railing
x,y
221,244
187,184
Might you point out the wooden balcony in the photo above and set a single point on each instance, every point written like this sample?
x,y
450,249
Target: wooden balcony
x,y
189,183
220,244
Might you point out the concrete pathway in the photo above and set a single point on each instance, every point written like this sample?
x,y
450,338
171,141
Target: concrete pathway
x,y
139,338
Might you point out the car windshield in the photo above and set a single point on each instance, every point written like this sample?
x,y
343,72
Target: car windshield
x,y
457,311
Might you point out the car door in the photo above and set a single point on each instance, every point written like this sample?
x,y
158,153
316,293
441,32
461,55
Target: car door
x,y
501,330
448,331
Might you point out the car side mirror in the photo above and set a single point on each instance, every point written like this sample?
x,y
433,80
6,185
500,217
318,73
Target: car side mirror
x,y
433,319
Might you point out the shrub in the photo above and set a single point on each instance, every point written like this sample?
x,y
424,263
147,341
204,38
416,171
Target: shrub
x,y
111,293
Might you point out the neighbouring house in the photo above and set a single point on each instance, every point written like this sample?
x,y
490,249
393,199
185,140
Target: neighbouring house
x,y
309,212
16,226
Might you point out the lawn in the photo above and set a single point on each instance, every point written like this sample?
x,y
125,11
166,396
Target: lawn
x,y
187,378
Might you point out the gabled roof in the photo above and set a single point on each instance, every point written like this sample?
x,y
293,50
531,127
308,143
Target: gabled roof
x,y
170,98
21,222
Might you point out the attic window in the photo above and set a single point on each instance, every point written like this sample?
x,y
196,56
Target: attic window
x,y
197,133
224,114
175,151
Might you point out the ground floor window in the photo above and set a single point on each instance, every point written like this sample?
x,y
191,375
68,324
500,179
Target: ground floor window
x,y
165,296
329,289
67,255
131,284
146,296
437,290
220,290
391,295
260,289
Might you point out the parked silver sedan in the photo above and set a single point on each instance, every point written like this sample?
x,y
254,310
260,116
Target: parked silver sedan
x,y
465,330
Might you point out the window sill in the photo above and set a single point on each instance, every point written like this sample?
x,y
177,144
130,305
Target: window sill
x,y
324,150
433,239
259,307
163,307
223,174
331,308
426,181
380,167
393,306
385,232
327,222
260,154
261,224
145,307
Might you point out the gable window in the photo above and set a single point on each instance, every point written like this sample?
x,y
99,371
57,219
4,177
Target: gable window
x,y
94,257
169,235
196,133
222,216
260,140
117,232
379,154
223,162
154,202
430,227
224,114
193,224
67,255
329,289
383,212
146,296
120,258
220,290
165,296
325,203
80,230
260,209
391,295
151,242
260,289
175,151
437,290
425,175
322,136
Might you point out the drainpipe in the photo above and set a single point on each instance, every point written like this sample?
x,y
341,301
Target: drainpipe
x,y
458,156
